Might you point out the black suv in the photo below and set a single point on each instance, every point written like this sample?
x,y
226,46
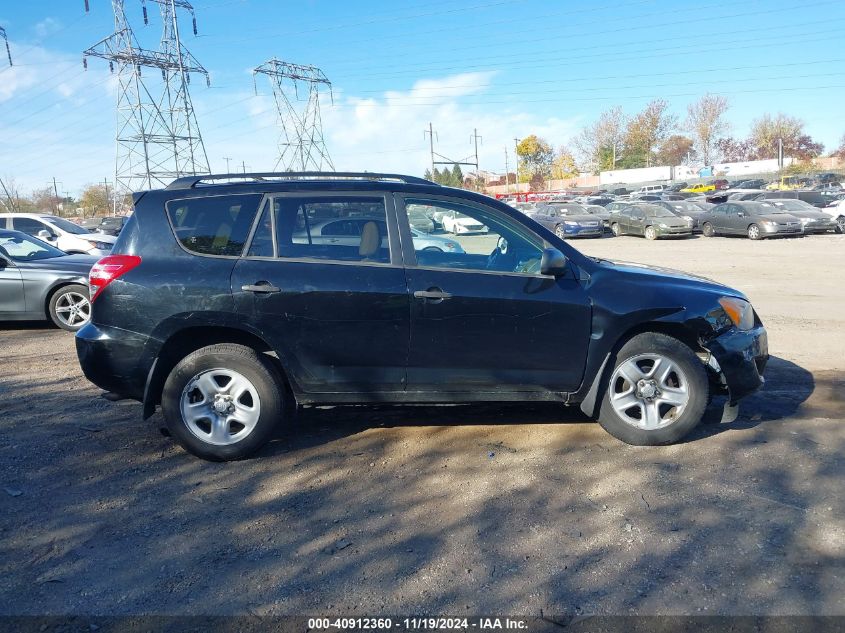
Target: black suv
x,y
230,300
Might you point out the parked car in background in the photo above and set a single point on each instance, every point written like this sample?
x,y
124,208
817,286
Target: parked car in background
x,y
756,220
63,234
744,194
600,200
430,243
651,221
699,188
811,197
754,183
38,281
617,205
568,219
90,224
677,186
720,184
813,220
112,225
646,189
211,310
526,207
422,221
458,223
601,213
684,209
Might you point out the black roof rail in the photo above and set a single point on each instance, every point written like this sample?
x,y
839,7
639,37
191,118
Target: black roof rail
x,y
190,182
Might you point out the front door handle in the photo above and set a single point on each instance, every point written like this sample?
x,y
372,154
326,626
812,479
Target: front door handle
x,y
435,295
261,287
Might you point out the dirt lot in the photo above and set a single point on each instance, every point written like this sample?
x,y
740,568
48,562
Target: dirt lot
x,y
449,511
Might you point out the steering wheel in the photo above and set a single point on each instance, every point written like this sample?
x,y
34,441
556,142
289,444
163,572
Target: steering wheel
x,y
497,256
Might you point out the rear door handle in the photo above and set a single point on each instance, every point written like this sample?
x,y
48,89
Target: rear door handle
x,y
435,294
261,287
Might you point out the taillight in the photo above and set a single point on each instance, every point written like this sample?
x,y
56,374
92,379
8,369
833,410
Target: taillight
x,y
108,269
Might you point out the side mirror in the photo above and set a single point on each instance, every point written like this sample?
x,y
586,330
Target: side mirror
x,y
553,262
44,234
740,214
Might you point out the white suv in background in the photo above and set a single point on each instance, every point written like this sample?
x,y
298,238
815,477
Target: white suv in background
x,y
652,189
58,232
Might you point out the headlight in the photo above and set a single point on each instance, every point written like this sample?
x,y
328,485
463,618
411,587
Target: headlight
x,y
663,225
687,218
99,245
769,223
805,221
739,311
568,223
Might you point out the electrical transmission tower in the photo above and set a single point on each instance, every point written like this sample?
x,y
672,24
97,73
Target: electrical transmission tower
x,y
158,137
6,39
301,145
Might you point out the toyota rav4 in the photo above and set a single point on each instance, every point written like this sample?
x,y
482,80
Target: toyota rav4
x,y
227,303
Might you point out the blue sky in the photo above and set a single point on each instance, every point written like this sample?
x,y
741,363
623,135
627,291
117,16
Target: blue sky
x,y
506,67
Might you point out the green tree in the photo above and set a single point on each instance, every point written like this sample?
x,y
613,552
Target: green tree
x,y
535,157
457,176
428,175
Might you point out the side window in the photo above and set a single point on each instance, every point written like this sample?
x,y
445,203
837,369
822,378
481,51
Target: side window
x,y
475,238
216,225
352,229
29,226
262,241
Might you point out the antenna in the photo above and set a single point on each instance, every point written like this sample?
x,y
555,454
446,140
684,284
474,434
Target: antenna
x,y
301,144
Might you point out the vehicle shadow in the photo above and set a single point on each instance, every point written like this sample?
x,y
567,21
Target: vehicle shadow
x,y
28,325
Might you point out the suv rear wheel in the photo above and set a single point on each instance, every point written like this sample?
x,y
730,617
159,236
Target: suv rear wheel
x,y
657,392
223,402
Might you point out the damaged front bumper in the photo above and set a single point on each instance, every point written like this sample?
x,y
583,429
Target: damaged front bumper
x,y
739,358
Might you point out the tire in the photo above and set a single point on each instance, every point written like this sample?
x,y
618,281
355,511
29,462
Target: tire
x,y
614,228
650,233
69,307
560,232
840,224
754,232
708,230
653,421
200,379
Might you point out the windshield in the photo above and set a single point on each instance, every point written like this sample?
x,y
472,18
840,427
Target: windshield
x,y
658,212
764,208
686,207
64,225
23,248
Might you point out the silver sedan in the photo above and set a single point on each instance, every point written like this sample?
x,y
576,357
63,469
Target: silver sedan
x,y
39,282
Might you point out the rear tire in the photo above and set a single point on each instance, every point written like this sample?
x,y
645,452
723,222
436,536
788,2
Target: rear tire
x,y
614,228
653,361
70,307
219,419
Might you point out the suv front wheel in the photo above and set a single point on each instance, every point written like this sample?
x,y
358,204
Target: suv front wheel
x,y
657,392
223,402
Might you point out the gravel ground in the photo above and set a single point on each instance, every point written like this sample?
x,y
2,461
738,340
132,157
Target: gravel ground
x,y
445,510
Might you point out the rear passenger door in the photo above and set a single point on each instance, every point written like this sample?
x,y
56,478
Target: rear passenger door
x,y
334,305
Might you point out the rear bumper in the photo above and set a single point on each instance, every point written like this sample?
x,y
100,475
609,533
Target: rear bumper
x,y
742,357
113,359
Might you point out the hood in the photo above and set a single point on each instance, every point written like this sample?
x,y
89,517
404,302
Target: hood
x,y
780,218
673,276
72,264
580,218
100,237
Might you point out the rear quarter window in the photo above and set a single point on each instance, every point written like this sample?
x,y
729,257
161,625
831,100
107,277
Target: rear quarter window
x,y
215,225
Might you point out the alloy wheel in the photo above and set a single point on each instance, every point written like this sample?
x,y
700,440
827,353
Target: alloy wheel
x,y
73,309
649,391
754,232
220,406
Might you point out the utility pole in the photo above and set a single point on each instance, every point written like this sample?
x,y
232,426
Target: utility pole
x,y
507,173
302,146
227,159
474,139
12,206
114,207
430,132
56,198
243,165
516,157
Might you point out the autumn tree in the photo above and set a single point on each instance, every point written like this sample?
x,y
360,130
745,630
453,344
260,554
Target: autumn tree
x,y
600,144
674,150
95,200
706,122
535,157
563,165
645,131
768,130
839,152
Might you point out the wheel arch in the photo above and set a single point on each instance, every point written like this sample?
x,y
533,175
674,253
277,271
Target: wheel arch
x,y
187,340
592,398
56,287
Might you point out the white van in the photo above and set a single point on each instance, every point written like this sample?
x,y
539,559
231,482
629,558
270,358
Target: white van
x,y
652,189
58,232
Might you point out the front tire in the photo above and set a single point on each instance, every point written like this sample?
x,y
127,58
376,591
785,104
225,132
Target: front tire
x,y
560,232
657,392
614,228
754,232
650,233
708,230
70,307
223,402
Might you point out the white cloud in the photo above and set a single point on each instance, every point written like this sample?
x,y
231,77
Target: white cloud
x,y
47,27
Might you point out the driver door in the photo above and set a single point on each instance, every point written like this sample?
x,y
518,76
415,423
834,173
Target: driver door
x,y
483,319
